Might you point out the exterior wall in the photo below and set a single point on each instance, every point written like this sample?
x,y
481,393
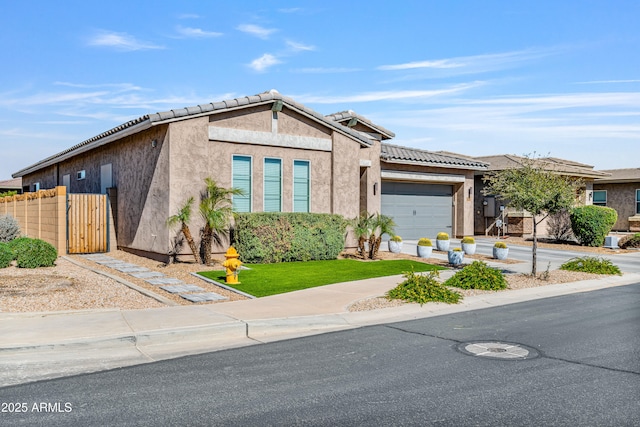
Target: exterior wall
x,y
345,176
41,215
371,183
622,198
462,220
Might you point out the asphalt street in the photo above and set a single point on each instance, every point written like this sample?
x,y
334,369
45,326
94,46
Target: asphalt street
x,y
581,367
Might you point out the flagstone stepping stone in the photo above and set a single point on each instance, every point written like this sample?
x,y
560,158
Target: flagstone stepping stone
x,y
165,281
205,296
147,274
132,269
176,289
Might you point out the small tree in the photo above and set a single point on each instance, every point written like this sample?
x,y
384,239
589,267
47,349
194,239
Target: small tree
x,y
379,225
183,217
362,230
538,190
216,210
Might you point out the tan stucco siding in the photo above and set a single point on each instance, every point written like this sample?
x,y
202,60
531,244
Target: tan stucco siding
x,y
292,123
346,176
622,198
253,118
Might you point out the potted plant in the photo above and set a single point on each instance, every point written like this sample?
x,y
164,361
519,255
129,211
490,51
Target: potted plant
x,y
395,244
500,250
425,248
456,256
469,245
442,241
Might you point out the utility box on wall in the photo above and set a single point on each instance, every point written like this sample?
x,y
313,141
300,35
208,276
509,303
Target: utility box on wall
x,y
489,205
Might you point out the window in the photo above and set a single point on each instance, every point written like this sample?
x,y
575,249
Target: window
x,y
241,177
600,198
300,186
81,175
272,185
638,202
36,186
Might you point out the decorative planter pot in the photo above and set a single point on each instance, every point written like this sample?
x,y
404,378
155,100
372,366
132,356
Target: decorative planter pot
x,y
442,245
425,251
469,248
395,247
500,253
456,257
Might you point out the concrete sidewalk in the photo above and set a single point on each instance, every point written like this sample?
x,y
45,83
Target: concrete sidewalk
x,y
37,346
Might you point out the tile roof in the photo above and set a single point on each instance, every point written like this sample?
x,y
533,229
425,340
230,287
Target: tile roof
x,y
620,175
11,183
346,116
149,120
563,166
398,154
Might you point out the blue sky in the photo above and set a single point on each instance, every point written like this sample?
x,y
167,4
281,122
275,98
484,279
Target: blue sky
x,y
472,77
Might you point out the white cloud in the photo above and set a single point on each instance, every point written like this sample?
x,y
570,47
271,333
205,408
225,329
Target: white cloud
x,y
120,41
320,70
265,61
256,30
196,32
607,81
297,47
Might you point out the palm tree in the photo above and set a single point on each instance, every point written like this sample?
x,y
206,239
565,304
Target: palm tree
x,y
183,217
362,228
380,224
216,210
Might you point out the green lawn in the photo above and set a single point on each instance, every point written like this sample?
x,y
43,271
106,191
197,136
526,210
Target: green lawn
x,y
271,279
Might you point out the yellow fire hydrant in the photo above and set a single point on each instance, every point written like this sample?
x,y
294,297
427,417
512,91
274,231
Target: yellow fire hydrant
x,y
232,264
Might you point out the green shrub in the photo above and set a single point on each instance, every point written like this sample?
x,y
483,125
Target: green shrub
x,y
266,237
396,238
631,241
35,253
15,244
468,239
478,275
6,255
9,228
422,289
591,265
442,236
591,224
424,242
500,245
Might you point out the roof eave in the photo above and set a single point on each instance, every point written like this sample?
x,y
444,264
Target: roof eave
x,y
434,164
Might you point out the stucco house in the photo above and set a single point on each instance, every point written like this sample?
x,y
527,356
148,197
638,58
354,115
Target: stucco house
x,y
491,212
620,191
14,184
285,156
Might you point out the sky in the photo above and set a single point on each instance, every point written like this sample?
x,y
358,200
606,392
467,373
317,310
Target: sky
x,y
537,78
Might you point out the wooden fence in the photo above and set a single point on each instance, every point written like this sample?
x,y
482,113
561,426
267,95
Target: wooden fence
x,y
72,223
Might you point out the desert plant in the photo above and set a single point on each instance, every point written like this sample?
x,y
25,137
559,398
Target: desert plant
x,y
6,255
423,241
380,225
15,244
362,230
468,239
500,245
442,236
559,226
216,210
33,253
396,238
478,275
9,228
630,241
594,265
591,224
183,217
422,289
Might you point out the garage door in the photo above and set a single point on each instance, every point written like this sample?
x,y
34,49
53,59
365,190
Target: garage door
x,y
419,210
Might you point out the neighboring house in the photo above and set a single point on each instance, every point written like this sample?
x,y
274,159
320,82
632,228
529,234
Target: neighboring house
x,y
11,185
490,210
620,191
285,156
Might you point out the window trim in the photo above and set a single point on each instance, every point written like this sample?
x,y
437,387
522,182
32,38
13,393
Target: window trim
x,y
293,180
638,201
264,182
606,198
250,195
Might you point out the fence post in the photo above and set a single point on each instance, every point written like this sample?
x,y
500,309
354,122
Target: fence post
x,y
61,219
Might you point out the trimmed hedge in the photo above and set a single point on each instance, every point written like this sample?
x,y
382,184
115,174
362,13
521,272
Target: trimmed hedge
x,y
34,253
265,237
591,224
6,255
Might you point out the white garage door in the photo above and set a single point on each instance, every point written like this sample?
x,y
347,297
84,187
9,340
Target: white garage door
x,y
419,210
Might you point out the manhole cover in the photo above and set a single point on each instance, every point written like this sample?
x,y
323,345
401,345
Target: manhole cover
x,y
497,350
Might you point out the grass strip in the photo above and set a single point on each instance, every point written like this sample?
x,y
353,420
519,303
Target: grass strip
x,y
271,279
